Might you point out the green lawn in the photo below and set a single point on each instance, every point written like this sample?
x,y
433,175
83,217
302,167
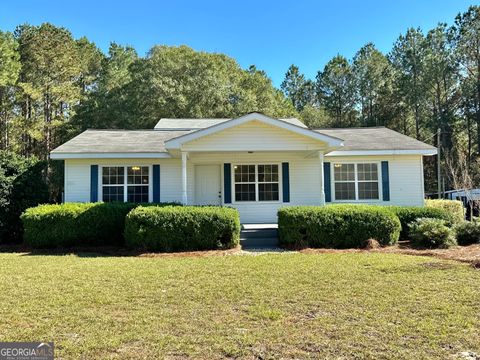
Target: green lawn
x,y
280,305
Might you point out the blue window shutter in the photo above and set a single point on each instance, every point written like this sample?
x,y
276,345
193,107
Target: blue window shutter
x,y
385,181
227,183
156,183
93,183
327,187
286,182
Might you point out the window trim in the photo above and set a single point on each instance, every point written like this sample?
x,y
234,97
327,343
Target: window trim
x,y
357,200
257,201
125,185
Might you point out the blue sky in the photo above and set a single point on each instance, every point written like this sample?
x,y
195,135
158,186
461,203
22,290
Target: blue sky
x,y
269,34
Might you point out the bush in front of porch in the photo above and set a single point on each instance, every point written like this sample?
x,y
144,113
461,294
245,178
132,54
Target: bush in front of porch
x,y
76,224
409,214
184,228
336,226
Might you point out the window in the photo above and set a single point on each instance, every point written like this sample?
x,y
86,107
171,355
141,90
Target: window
x,y
344,176
137,180
256,182
113,183
367,181
245,182
267,182
356,181
125,183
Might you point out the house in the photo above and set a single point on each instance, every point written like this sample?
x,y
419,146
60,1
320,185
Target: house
x,y
254,163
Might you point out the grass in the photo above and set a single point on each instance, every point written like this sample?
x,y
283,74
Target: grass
x,y
352,305
469,254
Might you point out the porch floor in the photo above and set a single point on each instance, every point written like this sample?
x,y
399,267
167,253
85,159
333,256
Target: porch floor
x,y
259,226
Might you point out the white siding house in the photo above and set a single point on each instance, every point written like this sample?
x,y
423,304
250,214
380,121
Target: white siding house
x,y
254,163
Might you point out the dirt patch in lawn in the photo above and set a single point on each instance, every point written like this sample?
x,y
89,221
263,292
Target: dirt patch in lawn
x,y
469,254
195,253
111,251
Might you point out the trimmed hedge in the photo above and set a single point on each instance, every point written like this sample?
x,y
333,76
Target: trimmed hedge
x,y
468,232
75,224
431,233
336,226
185,228
454,207
408,214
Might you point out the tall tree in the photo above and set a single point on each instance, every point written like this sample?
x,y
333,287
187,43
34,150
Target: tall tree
x,y
115,72
315,117
335,86
49,77
257,93
408,58
91,59
372,74
441,82
467,42
108,105
181,82
299,90
9,71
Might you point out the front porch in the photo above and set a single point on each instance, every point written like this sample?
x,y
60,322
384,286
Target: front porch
x,y
254,163
255,183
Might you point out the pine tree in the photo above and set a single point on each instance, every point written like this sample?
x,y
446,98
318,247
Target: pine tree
x,y
9,71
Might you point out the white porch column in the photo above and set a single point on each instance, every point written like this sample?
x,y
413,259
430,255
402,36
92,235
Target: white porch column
x,y
184,178
322,179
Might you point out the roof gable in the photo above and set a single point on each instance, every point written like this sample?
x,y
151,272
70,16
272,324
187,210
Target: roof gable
x,y
254,136
177,143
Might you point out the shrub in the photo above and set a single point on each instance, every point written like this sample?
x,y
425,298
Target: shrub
x,y
75,224
408,214
431,233
468,232
182,228
336,226
22,186
454,207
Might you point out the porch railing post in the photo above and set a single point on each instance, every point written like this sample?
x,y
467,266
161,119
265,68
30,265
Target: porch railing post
x,y
184,178
322,179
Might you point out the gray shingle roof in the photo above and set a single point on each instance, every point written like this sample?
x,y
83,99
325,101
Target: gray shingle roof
x,y
118,141
375,138
153,141
195,124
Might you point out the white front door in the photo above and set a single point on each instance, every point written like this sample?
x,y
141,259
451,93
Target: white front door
x,y
207,185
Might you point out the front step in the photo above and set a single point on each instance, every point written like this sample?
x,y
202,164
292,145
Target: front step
x,y
264,233
259,236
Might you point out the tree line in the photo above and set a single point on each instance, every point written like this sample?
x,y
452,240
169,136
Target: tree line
x,y
427,81
53,86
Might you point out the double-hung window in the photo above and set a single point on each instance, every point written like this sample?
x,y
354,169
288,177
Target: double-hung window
x,y
137,184
256,182
113,183
125,183
267,182
356,181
